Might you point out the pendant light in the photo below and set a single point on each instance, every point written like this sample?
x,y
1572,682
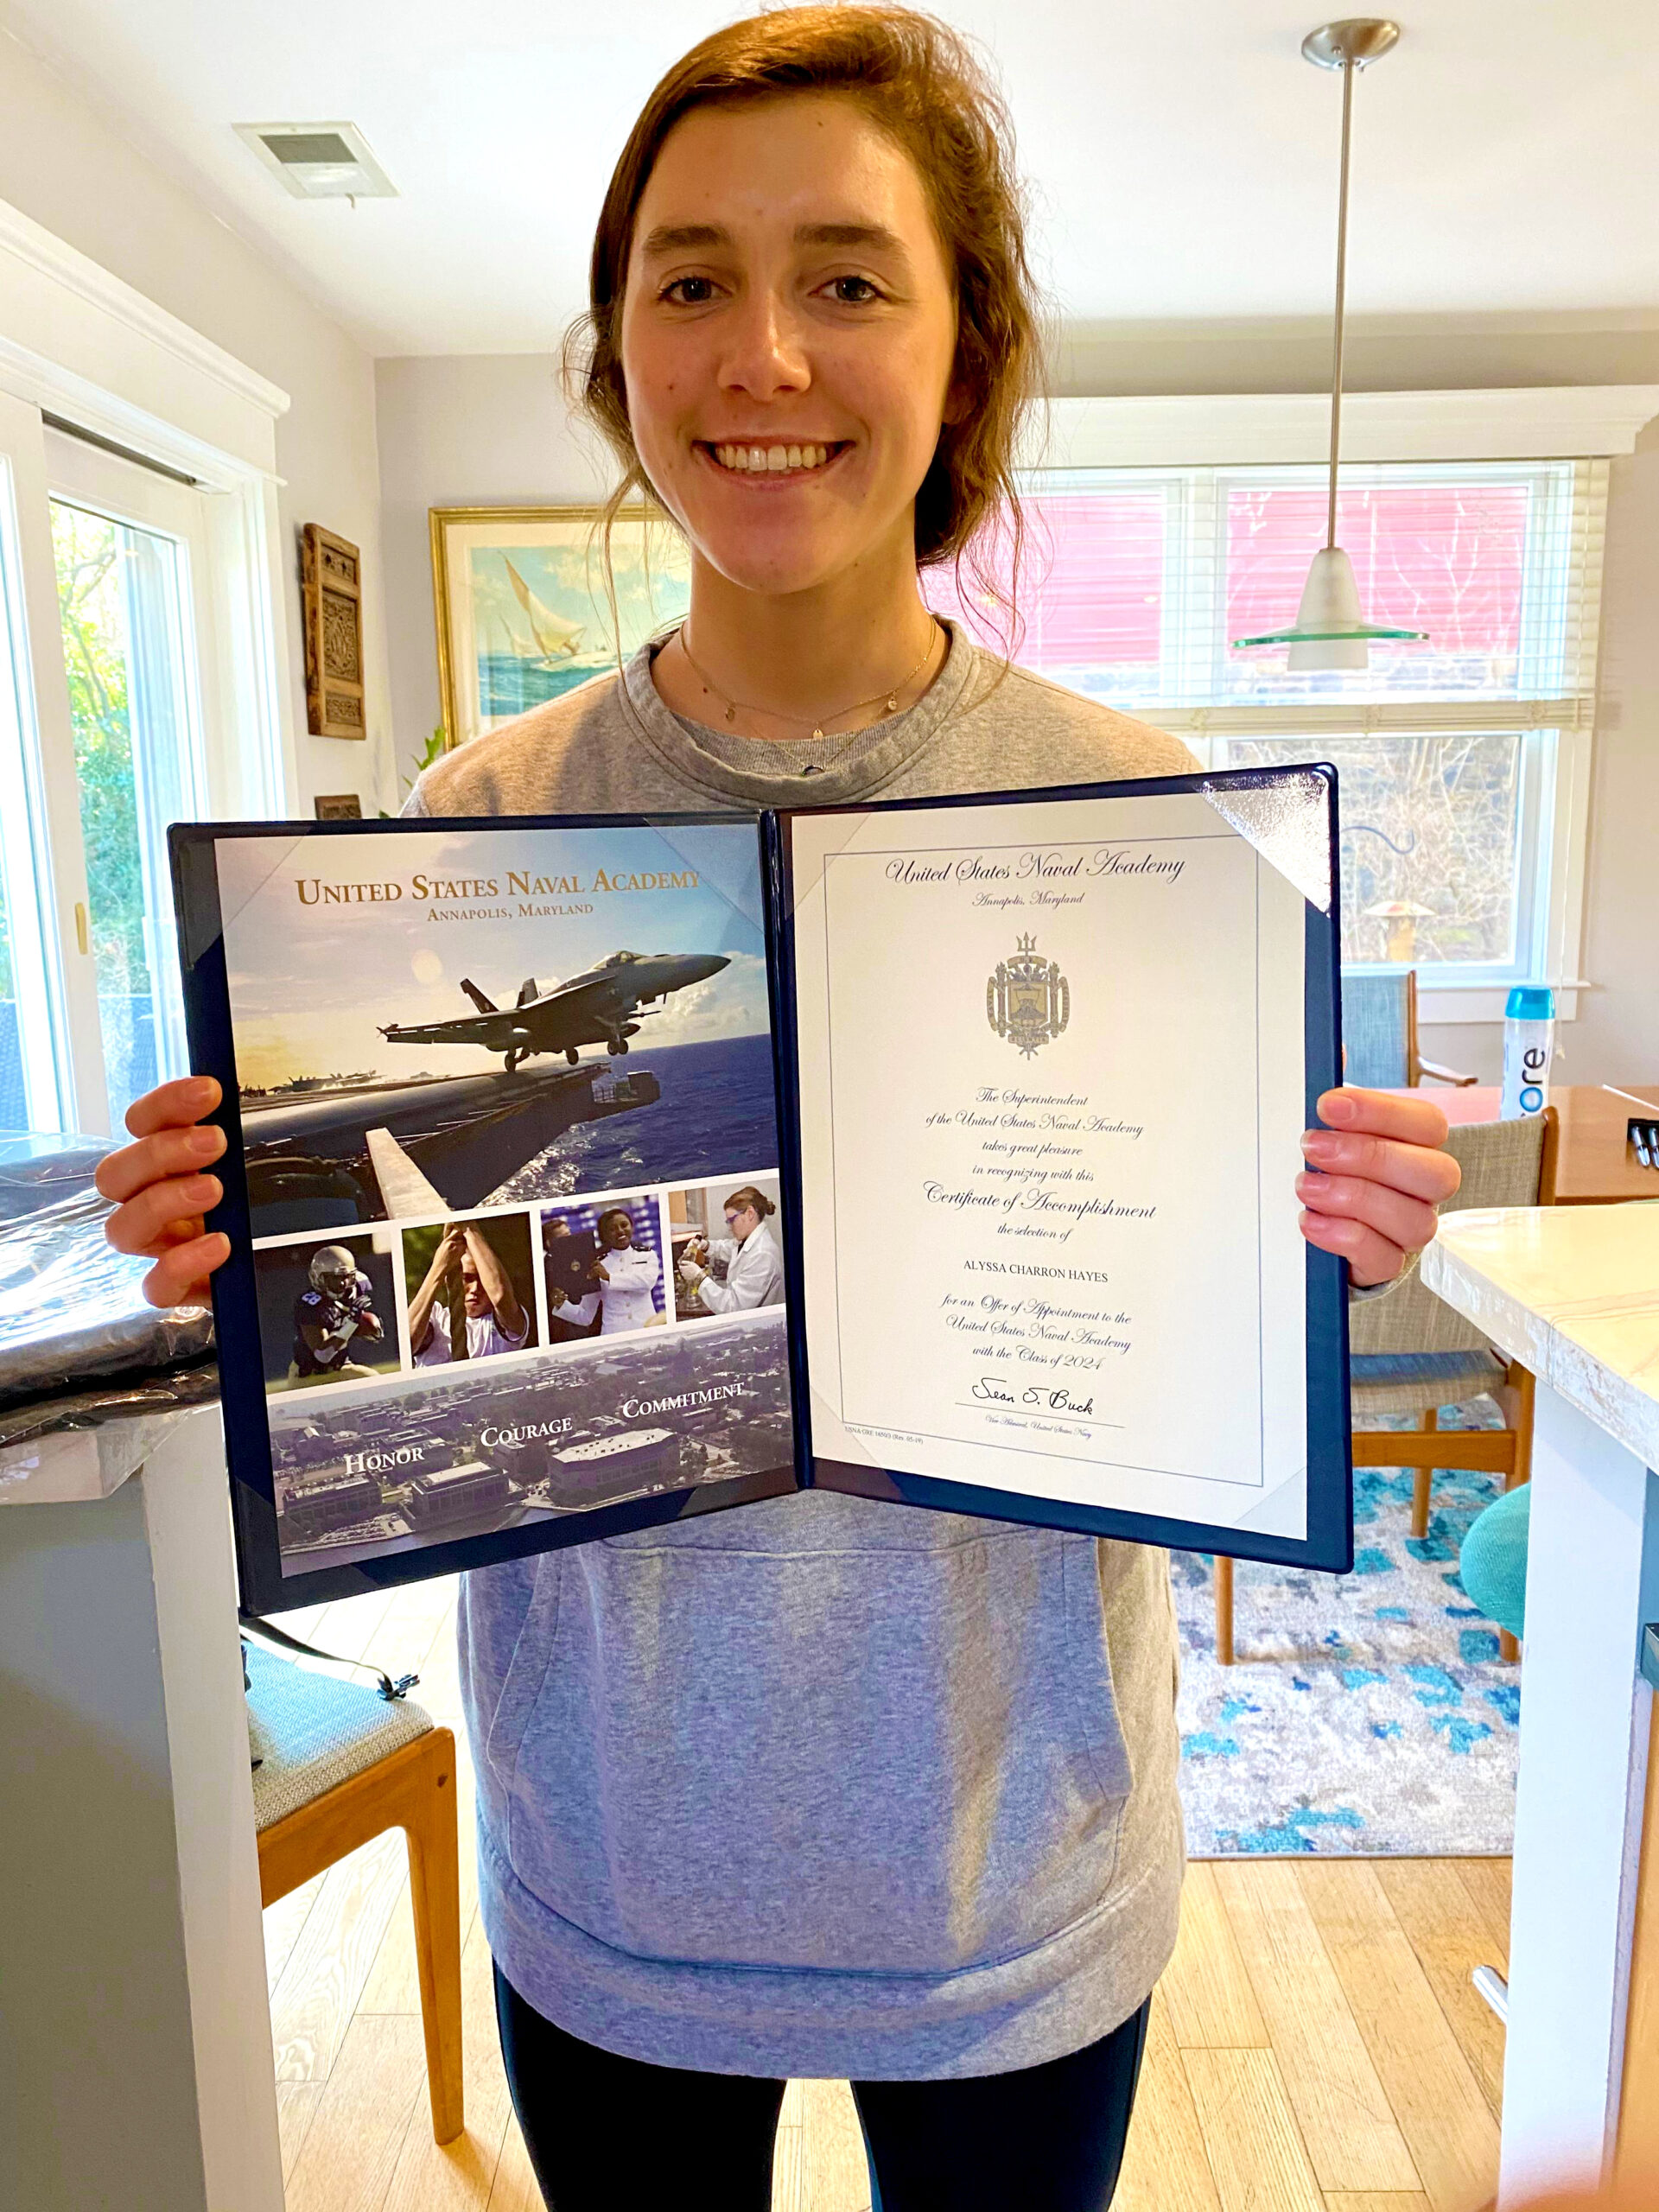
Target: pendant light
x,y
1330,631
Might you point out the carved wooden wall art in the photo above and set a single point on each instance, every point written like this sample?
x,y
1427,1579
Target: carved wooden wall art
x,y
331,593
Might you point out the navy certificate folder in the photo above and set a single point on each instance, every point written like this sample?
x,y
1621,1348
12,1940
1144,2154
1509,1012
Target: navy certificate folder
x,y
938,1151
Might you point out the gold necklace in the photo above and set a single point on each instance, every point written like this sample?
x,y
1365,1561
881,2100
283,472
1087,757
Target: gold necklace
x,y
887,699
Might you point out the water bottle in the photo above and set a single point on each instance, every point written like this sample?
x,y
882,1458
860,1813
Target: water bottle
x,y
1528,1041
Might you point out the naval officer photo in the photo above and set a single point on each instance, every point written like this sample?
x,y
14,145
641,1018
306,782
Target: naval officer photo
x,y
626,1273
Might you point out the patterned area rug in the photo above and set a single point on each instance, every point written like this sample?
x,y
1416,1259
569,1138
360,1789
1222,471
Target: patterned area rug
x,y
1368,1713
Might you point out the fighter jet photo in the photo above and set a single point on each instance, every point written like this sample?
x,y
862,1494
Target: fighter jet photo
x,y
590,1009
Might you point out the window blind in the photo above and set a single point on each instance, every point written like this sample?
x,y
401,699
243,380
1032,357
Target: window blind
x,y
1455,754
1134,582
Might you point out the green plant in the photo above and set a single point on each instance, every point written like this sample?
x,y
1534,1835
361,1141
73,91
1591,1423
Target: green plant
x,y
434,748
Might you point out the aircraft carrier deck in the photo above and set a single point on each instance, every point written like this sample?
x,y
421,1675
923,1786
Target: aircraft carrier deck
x,y
307,1154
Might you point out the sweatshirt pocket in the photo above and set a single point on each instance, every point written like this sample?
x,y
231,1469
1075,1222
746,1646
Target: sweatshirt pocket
x,y
882,1757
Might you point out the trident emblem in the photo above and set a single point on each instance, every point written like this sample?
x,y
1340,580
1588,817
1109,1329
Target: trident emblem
x,y
1027,1000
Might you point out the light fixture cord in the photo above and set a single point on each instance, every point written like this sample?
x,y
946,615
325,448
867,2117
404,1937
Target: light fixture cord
x,y
1341,283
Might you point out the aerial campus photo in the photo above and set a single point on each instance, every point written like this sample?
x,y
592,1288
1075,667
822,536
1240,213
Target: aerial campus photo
x,y
485,1449
428,1018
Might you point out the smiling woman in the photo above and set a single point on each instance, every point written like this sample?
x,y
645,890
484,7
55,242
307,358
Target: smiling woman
x,y
810,276
809,1789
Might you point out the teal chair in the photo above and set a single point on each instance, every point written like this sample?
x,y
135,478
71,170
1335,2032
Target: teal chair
x,y
1379,1032
1493,1561
1410,1353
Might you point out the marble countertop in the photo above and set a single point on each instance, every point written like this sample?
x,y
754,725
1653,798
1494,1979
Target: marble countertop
x,y
1571,1292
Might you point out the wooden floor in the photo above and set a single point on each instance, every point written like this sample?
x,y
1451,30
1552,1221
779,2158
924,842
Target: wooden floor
x,y
1316,2044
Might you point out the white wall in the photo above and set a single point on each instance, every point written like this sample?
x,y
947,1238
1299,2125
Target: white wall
x,y
1489,352
65,164
477,431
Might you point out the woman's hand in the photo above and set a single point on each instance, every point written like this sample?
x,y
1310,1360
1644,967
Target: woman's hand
x,y
160,1190
1382,1175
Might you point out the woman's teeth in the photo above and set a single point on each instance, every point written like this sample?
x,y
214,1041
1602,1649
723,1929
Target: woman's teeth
x,y
771,457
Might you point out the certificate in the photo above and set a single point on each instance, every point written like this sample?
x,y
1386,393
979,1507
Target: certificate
x,y
989,1108
1054,1057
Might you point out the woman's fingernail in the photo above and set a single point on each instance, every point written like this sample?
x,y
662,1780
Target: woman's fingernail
x,y
202,1190
201,1090
1339,1108
1317,1145
204,1143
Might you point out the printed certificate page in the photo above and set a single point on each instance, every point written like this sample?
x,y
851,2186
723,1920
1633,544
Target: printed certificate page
x,y
1052,1086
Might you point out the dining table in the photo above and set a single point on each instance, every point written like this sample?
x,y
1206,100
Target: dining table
x,y
1596,1163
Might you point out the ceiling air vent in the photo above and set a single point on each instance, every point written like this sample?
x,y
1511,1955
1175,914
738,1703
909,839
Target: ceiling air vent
x,y
318,160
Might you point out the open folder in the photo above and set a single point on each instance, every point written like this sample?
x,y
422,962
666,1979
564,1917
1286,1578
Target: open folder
x,y
941,1152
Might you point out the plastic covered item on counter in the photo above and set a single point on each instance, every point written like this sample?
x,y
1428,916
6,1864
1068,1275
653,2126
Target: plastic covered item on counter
x,y
73,1311
173,1391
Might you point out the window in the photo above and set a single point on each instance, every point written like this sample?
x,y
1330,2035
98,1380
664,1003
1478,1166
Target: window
x,y
122,596
103,612
1456,756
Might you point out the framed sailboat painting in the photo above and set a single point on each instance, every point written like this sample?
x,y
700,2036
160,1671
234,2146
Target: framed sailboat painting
x,y
523,611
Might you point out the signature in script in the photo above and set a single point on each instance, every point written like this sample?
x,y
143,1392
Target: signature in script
x,y
1052,1401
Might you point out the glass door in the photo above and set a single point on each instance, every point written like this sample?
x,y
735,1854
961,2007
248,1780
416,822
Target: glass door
x,y
123,538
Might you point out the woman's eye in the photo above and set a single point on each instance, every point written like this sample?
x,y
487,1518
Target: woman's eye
x,y
690,291
852,292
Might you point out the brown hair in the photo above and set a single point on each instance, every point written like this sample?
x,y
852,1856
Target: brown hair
x,y
920,82
756,1202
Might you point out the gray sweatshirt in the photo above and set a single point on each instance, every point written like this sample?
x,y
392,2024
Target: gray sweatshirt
x,y
821,1786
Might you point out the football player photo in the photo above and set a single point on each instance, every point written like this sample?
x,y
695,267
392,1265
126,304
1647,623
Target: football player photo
x,y
327,1313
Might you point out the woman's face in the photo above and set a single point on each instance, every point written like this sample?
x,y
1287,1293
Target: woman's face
x,y
742,1221
616,1234
788,332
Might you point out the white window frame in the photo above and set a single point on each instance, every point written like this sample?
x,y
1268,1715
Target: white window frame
x,y
1589,423
81,349
55,979
79,345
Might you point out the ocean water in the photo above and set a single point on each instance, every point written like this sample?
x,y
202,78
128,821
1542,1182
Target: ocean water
x,y
715,1117
508,685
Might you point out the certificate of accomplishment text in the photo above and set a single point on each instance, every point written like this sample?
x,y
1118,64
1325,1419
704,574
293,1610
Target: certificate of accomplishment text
x,y
1051,1058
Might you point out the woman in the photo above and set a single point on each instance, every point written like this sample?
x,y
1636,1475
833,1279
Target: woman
x,y
820,1787
753,1265
625,1274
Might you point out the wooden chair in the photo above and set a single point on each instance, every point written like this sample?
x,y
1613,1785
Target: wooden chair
x,y
338,1765
1410,1353
1379,1032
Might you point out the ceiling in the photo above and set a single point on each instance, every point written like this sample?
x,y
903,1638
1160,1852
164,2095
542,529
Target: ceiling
x,y
1182,161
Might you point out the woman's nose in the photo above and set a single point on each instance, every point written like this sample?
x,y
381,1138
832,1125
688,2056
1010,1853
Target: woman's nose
x,y
766,356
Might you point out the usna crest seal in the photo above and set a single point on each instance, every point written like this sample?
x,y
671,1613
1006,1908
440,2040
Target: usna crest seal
x,y
1027,1000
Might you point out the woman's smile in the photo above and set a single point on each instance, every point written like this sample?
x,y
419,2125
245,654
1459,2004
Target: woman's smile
x,y
761,460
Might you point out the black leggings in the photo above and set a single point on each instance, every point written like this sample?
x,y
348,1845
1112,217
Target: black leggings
x,y
609,2134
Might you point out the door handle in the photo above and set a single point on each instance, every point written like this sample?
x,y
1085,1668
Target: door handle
x,y
81,926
